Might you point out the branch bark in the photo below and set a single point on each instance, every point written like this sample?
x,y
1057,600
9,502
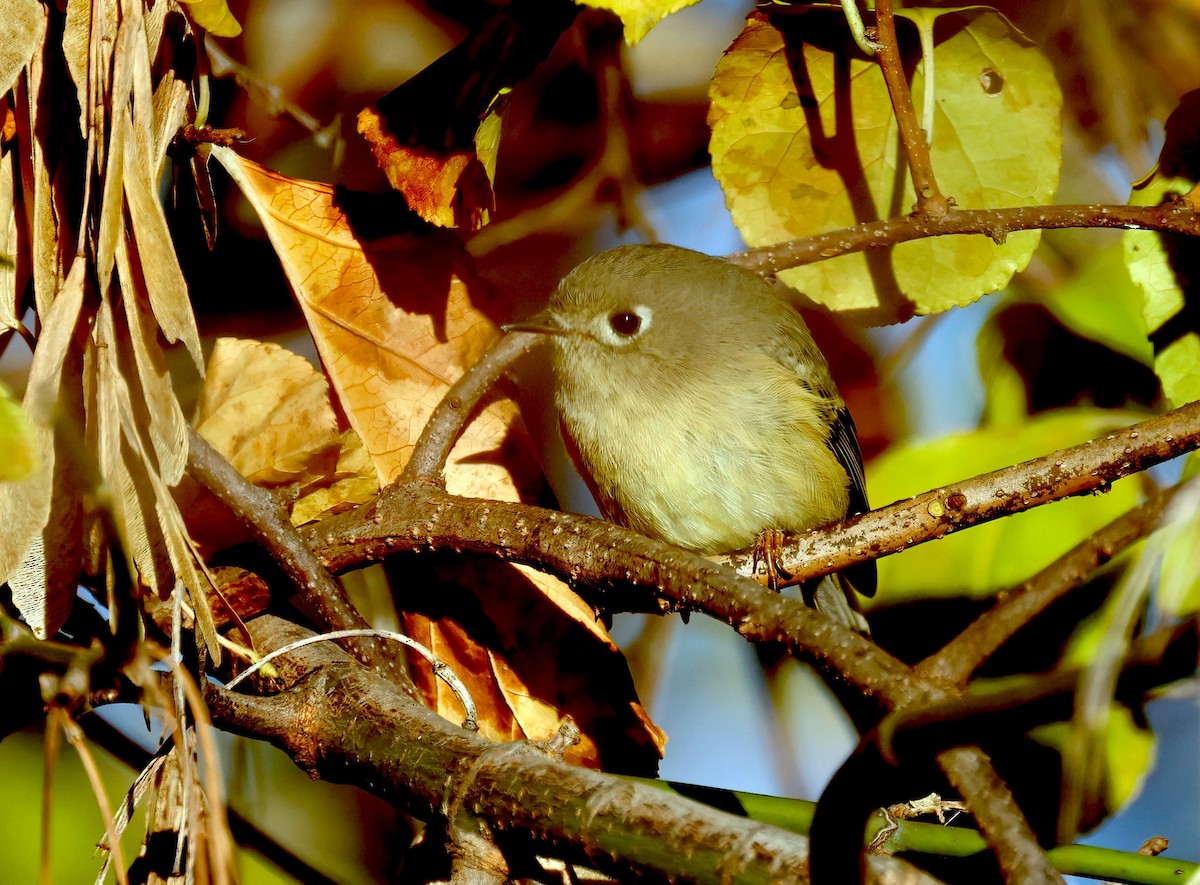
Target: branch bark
x,y
343,722
1174,217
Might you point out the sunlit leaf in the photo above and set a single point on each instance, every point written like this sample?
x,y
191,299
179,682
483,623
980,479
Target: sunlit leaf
x,y
268,412
639,16
804,142
1163,267
156,258
1005,552
24,29
444,186
1100,302
41,511
396,320
392,319
8,242
18,440
214,16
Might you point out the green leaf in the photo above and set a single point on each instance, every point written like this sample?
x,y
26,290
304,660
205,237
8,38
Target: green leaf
x,y
1004,552
17,440
1178,593
1101,303
1128,753
804,142
1171,323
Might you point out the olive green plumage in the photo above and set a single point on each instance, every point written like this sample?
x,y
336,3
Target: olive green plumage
x,y
696,403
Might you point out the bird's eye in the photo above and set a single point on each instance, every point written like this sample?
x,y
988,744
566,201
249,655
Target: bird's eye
x,y
625,322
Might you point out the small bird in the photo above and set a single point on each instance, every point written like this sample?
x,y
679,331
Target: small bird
x,y
699,410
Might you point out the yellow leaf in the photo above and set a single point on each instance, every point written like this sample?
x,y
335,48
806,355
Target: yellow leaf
x,y
1167,293
1002,553
639,16
268,412
214,16
18,440
804,142
392,320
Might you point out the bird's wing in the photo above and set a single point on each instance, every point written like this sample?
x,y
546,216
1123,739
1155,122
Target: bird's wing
x,y
843,440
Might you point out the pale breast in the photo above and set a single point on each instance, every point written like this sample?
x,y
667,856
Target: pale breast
x,y
709,469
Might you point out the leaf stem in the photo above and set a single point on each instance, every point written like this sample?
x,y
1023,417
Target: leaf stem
x,y
931,203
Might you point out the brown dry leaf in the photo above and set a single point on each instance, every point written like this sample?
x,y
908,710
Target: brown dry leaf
x,y
151,522
41,511
449,188
267,410
131,498
395,326
41,222
393,323
164,280
8,243
164,419
526,666
426,133
352,482
24,30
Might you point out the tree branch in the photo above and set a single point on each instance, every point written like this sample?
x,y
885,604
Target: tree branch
x,y
1089,468
260,512
357,730
930,201
966,652
437,438
1173,217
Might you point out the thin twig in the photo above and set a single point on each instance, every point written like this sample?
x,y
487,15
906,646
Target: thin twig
x,y
966,652
440,668
433,447
931,203
260,512
1173,217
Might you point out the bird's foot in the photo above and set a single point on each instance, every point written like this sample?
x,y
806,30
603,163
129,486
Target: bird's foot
x,y
768,550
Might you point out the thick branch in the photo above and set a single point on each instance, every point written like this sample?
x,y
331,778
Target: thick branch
x,y
344,723
1089,468
260,512
1175,217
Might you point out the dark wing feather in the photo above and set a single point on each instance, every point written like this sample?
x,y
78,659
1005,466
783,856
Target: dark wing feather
x,y
843,441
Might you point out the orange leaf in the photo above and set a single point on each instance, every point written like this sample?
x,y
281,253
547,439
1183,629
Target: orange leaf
x,y
449,188
396,322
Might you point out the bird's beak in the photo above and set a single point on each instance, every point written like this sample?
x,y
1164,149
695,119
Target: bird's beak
x,y
544,323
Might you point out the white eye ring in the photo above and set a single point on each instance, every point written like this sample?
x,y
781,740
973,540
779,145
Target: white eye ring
x,y
624,324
